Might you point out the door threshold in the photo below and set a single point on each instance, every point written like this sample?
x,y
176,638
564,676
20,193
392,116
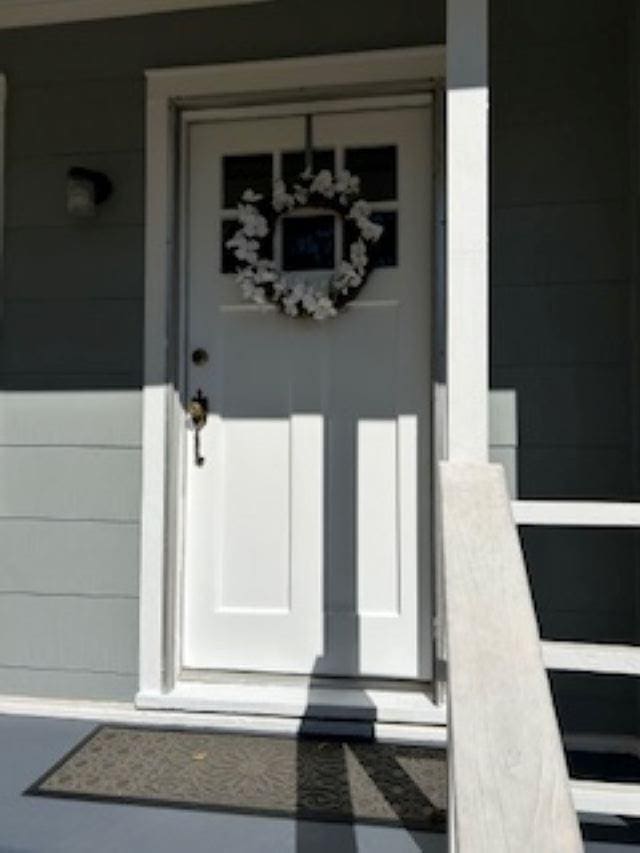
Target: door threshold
x,y
375,705
285,679
125,713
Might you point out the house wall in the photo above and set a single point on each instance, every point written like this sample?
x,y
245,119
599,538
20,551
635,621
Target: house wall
x,y
563,293
71,333
565,329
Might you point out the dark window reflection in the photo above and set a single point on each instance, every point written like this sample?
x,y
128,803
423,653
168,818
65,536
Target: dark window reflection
x,y
239,173
377,169
308,242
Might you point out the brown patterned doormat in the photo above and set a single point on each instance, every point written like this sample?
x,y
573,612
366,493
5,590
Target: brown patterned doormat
x,y
310,778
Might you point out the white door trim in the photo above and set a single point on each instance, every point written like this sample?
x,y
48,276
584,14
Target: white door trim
x,y
170,91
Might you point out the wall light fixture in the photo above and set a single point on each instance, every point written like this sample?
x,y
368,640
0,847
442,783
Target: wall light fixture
x,y
86,189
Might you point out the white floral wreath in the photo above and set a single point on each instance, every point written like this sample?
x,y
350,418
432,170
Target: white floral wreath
x,y
259,278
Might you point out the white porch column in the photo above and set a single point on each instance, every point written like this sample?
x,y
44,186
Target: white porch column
x,y
467,259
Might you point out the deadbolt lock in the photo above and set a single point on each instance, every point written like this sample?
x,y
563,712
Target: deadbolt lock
x,y
199,356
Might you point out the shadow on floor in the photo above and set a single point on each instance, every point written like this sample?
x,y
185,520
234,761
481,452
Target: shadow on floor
x,y
390,779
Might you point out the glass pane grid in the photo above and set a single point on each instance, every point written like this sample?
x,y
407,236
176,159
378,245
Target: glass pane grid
x,y
243,171
377,167
289,164
258,171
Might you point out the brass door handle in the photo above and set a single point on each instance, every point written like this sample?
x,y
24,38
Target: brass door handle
x,y
198,414
198,410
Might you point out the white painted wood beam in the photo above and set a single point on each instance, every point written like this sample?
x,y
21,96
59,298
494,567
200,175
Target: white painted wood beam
x,y
156,395
410,68
467,230
508,796
591,657
576,513
608,798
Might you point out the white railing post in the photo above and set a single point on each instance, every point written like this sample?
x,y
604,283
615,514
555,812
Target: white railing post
x,y
467,230
467,252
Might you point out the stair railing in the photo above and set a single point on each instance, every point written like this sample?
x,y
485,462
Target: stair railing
x,y
509,784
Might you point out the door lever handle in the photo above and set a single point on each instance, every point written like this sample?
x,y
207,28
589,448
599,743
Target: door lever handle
x,y
198,410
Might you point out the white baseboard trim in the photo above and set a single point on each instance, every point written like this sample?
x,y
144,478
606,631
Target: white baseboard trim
x,y
124,713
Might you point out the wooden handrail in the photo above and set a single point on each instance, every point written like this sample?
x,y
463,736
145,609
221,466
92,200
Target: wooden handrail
x,y
510,787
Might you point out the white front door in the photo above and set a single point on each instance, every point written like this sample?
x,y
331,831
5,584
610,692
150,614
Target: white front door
x,y
306,529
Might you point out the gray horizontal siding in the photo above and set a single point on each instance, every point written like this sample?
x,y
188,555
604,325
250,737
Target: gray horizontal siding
x,y
81,558
569,85
67,684
90,116
77,379
565,324
564,318
561,405
68,336
567,473
575,473
572,162
89,483
519,25
69,632
98,263
85,416
561,243
562,259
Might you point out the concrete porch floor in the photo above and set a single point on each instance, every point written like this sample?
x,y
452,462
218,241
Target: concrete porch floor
x,y
29,746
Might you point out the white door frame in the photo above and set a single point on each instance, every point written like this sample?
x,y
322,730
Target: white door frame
x,y
170,92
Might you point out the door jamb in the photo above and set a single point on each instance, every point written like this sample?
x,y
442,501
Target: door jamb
x,y
169,92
